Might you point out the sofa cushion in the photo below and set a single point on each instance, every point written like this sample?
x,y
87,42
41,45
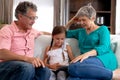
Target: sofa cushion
x,y
40,44
115,45
117,53
44,40
74,45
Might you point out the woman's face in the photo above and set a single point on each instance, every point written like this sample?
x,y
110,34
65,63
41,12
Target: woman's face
x,y
59,39
85,22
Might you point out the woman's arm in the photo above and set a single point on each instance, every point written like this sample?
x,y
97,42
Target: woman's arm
x,y
104,41
84,56
70,22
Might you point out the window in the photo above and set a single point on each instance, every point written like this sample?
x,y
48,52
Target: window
x,y
45,14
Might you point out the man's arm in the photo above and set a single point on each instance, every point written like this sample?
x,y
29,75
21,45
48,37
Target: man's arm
x,y
46,33
7,55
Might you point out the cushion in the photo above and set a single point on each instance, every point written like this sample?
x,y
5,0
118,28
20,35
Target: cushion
x,y
117,53
115,45
40,44
44,40
74,45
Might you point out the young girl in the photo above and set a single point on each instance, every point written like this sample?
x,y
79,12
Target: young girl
x,y
57,55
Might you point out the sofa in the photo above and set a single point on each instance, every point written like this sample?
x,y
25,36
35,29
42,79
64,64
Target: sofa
x,y
42,41
2,25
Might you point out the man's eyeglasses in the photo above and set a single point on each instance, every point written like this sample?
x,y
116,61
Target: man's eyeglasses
x,y
31,18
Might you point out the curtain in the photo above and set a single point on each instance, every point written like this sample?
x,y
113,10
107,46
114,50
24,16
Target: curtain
x,y
6,11
61,12
56,12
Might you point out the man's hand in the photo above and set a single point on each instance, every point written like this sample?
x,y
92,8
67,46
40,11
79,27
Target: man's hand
x,y
37,62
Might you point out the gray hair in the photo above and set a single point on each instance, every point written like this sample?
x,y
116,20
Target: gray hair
x,y
87,11
23,7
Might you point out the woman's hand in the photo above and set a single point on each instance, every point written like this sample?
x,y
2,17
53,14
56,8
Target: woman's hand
x,y
84,56
80,58
71,21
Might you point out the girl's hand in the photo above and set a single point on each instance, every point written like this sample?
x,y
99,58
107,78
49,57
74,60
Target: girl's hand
x,y
55,66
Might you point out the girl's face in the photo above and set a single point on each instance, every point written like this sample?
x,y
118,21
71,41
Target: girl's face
x,y
59,39
85,22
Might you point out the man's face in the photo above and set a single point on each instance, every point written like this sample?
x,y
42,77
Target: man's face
x,y
28,19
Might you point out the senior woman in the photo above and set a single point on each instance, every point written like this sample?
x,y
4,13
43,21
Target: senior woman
x,y
97,61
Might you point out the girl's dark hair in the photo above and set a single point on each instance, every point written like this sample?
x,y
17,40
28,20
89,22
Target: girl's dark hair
x,y
57,30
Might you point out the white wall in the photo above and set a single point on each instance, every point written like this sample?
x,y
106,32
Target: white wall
x,y
45,14
118,17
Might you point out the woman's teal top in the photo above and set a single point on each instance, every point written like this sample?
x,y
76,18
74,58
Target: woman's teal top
x,y
99,40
